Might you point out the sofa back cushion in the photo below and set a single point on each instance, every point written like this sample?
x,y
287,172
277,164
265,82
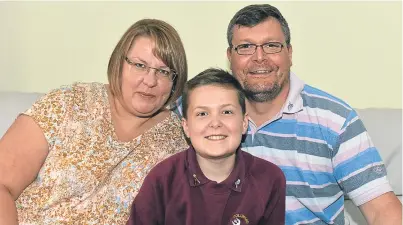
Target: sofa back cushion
x,y
12,104
385,129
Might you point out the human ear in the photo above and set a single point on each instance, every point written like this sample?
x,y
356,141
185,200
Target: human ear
x,y
229,54
185,127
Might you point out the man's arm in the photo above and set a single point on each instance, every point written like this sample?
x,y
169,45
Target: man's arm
x,y
383,210
362,175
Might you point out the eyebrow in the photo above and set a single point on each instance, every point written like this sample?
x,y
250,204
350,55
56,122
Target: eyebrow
x,y
146,63
248,41
206,107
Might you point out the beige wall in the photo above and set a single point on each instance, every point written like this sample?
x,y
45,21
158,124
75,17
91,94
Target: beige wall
x,y
350,49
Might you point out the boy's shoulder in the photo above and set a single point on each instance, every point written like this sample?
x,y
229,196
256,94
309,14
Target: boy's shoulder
x,y
168,167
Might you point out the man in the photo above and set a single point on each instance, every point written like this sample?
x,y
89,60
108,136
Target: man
x,y
317,139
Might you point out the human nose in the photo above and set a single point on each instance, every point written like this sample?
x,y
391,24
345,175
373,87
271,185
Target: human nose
x,y
150,78
259,55
215,121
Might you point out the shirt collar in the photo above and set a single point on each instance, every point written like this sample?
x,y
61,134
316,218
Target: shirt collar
x,y
294,102
197,178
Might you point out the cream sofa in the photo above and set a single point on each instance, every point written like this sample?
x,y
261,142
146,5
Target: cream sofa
x,y
384,126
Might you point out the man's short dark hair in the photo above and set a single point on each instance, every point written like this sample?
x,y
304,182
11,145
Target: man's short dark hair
x,y
216,77
252,15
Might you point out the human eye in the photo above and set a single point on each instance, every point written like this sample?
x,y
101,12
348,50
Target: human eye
x,y
246,49
274,45
140,65
245,46
201,114
163,72
227,111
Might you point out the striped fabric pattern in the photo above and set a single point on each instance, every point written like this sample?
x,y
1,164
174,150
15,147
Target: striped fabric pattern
x,y
325,152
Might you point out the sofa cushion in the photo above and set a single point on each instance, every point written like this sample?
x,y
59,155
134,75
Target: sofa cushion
x,y
12,104
385,129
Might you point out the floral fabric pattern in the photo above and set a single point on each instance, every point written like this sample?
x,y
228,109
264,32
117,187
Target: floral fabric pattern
x,y
89,176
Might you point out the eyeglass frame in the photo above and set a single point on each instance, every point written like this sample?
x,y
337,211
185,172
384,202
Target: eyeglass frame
x,y
172,71
256,46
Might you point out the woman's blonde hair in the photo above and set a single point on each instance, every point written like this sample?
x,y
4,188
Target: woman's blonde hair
x,y
168,48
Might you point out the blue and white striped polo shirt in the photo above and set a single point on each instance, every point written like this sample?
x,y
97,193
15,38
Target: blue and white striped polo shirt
x,y
325,153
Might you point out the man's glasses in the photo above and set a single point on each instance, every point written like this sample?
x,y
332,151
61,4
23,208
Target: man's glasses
x,y
250,49
161,74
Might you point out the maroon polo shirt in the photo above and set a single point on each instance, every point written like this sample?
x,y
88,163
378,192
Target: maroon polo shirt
x,y
176,192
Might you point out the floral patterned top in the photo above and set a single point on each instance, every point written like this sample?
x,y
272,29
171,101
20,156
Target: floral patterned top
x,y
89,176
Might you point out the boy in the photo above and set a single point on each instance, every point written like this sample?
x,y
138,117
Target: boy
x,y
213,182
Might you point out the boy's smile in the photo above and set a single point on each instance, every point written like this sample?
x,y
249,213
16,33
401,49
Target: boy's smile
x,y
216,137
215,122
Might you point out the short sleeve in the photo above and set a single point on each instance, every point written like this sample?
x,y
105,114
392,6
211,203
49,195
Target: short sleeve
x,y
358,167
51,110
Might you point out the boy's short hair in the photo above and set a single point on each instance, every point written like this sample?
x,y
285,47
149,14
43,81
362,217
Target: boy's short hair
x,y
216,77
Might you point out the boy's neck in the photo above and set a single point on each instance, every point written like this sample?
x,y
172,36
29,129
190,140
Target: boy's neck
x,y
216,169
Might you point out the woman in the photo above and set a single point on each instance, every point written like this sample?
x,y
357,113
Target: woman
x,y
80,153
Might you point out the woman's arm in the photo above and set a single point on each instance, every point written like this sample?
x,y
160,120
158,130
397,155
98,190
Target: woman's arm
x,y
23,149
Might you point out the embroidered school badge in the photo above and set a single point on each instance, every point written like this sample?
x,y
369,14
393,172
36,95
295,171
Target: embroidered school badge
x,y
239,219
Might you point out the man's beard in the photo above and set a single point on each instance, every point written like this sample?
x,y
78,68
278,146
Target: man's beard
x,y
263,92
262,95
